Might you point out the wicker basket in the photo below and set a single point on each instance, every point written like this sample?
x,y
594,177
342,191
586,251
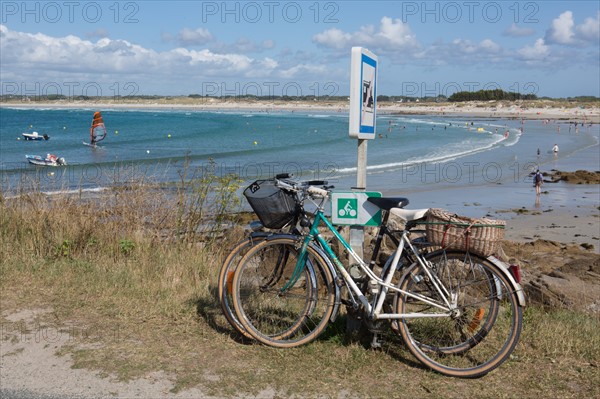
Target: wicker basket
x,y
274,207
450,231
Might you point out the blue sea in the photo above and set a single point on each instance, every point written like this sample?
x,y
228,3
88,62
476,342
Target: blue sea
x,y
409,154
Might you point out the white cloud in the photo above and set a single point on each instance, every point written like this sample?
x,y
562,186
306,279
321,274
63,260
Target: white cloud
x,y
39,58
563,30
589,30
462,52
517,31
98,33
28,51
243,45
302,70
394,39
189,37
538,52
489,46
268,44
334,38
393,35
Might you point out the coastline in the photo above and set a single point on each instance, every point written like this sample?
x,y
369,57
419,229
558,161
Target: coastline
x,y
533,110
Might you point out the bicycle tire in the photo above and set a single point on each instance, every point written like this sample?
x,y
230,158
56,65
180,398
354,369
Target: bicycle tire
x,y
269,310
484,327
225,280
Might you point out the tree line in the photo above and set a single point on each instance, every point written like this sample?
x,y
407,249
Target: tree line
x,y
462,96
489,95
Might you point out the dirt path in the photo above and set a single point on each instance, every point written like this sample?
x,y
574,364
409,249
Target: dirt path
x,y
29,362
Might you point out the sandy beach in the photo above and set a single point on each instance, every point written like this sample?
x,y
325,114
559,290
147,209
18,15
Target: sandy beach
x,y
539,109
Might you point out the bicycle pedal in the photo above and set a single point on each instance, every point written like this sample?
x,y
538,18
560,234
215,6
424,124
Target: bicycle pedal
x,y
376,342
376,326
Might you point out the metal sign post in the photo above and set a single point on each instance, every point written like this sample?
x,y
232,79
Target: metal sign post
x,y
357,233
363,102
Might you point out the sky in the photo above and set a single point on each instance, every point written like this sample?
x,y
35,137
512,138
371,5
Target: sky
x,y
218,48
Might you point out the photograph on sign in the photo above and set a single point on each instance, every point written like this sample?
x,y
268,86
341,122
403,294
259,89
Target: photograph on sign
x,y
363,94
367,120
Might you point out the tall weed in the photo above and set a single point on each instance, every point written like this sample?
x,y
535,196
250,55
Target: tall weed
x,y
204,201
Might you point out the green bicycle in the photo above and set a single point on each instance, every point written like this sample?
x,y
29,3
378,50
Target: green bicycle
x,y
287,218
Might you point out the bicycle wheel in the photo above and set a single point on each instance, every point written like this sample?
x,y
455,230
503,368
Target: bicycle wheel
x,y
480,328
226,281
277,307
476,328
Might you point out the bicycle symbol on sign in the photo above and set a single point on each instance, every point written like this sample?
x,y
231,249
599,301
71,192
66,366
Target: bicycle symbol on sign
x,y
348,210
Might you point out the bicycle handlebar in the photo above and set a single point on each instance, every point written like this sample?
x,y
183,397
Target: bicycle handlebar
x,y
284,181
317,192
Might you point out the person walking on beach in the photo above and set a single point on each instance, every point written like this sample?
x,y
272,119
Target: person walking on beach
x,y
538,180
555,149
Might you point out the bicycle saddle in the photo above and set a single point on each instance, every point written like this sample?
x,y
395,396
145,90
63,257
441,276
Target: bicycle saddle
x,y
387,203
408,215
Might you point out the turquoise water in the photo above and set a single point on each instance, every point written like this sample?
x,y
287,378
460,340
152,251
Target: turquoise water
x,y
410,153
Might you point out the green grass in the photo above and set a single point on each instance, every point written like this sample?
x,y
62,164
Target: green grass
x,y
135,296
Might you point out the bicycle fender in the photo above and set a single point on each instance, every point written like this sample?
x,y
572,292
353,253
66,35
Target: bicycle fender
x,y
514,285
273,236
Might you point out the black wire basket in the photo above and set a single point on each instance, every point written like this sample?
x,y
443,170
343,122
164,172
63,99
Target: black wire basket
x,y
274,207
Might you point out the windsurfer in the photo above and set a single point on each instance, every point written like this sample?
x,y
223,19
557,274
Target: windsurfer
x,y
98,130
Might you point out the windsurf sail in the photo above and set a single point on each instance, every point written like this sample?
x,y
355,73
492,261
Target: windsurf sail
x,y
98,130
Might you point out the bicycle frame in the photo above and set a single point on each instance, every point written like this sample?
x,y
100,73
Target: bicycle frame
x,y
385,283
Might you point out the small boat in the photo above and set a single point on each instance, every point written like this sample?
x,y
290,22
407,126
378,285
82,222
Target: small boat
x,y
35,136
50,160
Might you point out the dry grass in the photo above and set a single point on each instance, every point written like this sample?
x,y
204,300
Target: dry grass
x,y
135,296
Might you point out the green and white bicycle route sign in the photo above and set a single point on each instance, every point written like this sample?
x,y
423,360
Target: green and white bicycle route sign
x,y
352,208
